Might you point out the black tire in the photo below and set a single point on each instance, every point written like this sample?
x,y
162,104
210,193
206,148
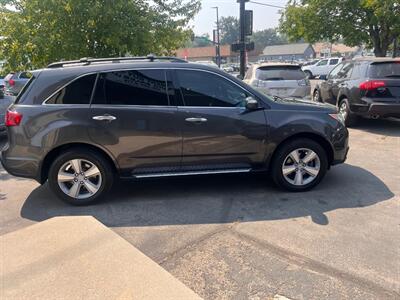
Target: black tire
x,y
350,119
284,150
317,96
309,74
106,171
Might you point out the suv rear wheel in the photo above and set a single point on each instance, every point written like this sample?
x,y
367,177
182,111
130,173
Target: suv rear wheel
x,y
299,165
80,177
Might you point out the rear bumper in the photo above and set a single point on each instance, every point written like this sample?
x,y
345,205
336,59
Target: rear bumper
x,y
20,167
377,109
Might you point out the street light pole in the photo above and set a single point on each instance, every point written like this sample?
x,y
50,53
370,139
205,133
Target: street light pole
x,y
242,39
218,49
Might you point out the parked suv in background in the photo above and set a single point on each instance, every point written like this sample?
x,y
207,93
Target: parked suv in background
x,y
368,87
279,79
322,67
79,124
14,82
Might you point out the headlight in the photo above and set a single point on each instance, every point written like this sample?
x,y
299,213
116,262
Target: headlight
x,y
337,117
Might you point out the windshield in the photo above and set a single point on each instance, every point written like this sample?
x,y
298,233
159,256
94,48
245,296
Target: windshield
x,y
384,70
280,73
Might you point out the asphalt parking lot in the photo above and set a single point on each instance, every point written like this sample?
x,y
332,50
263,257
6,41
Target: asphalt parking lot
x,y
238,237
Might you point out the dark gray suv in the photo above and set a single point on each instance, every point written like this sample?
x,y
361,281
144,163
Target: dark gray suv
x,y
81,124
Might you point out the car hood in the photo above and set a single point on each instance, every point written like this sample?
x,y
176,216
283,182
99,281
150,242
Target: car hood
x,y
305,104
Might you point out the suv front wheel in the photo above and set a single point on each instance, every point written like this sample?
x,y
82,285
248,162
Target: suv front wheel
x,y
80,177
299,165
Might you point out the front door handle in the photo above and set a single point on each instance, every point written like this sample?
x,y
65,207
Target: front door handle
x,y
196,120
104,118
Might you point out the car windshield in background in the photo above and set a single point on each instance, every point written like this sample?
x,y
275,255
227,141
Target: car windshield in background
x,y
384,70
279,73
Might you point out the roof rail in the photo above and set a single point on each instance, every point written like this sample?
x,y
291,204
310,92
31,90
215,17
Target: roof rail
x,y
87,60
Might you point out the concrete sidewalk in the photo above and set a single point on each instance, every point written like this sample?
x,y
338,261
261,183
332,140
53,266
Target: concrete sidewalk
x,y
79,258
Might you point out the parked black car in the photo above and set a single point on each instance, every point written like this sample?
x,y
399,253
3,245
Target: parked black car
x,y
367,87
79,124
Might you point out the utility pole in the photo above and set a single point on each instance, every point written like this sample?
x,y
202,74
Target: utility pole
x,y
242,40
218,49
395,47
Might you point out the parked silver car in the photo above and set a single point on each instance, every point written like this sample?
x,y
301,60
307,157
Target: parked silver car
x,y
279,79
14,82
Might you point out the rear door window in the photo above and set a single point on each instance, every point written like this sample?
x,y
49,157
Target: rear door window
x,y
133,87
77,92
384,70
279,73
323,62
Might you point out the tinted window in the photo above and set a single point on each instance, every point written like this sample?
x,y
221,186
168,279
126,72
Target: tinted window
x,y
358,71
206,89
25,75
323,62
280,73
333,61
134,87
77,92
386,69
334,73
345,72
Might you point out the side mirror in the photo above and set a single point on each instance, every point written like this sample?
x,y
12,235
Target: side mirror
x,y
323,77
251,103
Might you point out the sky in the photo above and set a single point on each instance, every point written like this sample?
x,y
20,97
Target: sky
x,y
263,16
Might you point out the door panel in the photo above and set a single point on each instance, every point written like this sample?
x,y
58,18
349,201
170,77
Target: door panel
x,y
217,130
141,137
228,136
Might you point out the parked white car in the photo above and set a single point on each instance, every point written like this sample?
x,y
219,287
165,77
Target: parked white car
x,y
322,67
279,79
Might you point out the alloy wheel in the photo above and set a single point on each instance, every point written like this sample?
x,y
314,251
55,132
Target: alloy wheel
x,y
79,178
316,96
343,110
301,166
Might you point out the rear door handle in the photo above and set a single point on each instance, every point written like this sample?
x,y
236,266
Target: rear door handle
x,y
196,120
104,118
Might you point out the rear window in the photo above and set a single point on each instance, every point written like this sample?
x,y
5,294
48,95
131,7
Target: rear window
x,y
280,73
384,70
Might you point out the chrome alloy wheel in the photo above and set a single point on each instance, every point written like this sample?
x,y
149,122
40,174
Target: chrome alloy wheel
x,y
316,96
79,178
301,166
343,110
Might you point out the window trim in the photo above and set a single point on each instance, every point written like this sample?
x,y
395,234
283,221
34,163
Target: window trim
x,y
175,81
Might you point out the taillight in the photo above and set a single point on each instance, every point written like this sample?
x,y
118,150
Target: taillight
x,y
11,82
371,85
13,118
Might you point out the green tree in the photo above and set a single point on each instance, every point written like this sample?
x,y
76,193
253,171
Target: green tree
x,y
373,22
199,41
267,37
229,30
37,32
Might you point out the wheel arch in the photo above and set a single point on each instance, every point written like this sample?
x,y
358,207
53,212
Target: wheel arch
x,y
308,135
51,155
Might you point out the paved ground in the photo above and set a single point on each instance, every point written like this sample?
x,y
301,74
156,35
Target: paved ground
x,y
238,237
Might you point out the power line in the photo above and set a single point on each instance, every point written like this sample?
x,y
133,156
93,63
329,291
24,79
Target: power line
x,y
265,4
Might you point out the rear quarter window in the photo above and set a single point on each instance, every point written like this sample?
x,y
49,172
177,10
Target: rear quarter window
x,y
384,70
77,92
280,73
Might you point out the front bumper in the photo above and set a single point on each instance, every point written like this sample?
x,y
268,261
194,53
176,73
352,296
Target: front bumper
x,y
340,144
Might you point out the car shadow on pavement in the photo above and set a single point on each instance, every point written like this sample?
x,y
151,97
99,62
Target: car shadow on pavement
x,y
216,199
384,127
